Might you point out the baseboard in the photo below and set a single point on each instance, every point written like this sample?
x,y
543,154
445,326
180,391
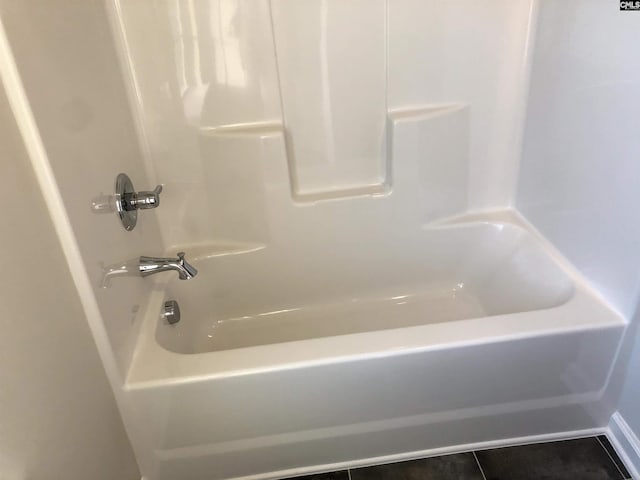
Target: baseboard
x,y
626,443
509,442
623,439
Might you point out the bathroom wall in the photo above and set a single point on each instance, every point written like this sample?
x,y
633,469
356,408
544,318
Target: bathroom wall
x,y
580,166
630,399
58,416
578,176
214,78
67,63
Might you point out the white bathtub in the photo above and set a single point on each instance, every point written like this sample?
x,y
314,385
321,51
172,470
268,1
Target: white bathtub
x,y
291,361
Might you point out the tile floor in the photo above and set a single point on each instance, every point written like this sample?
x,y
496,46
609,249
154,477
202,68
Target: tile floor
x,y
591,458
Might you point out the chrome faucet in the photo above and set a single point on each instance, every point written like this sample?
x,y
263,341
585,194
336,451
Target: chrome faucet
x,y
150,265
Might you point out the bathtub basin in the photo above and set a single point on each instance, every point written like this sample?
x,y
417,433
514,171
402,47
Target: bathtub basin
x,y
288,362
446,274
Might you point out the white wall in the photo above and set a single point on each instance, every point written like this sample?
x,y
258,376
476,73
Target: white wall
x,y
629,406
580,166
58,417
579,176
211,66
68,66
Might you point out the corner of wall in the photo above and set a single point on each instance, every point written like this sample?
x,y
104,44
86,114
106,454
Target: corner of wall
x,y
625,442
523,100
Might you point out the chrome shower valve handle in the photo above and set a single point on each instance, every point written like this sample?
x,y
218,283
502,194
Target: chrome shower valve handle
x,y
145,200
128,201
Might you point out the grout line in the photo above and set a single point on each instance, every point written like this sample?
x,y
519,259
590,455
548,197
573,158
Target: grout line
x,y
349,473
622,475
479,466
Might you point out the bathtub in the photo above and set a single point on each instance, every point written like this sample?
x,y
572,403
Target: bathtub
x,y
289,361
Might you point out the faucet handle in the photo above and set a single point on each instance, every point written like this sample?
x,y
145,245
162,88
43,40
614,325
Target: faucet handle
x,y
146,200
128,201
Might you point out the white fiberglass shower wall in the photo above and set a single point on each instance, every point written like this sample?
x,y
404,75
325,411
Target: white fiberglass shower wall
x,y
212,78
579,167
343,173
347,168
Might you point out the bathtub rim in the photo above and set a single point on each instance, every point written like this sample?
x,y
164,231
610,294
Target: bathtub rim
x,y
153,365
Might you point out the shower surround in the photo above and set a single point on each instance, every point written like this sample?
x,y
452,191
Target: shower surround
x,y
342,175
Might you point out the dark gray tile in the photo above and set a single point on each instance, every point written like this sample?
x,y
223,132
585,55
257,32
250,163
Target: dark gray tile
x,y
461,466
339,475
580,459
614,455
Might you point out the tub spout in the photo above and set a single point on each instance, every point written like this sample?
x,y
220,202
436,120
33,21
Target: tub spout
x,y
150,265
